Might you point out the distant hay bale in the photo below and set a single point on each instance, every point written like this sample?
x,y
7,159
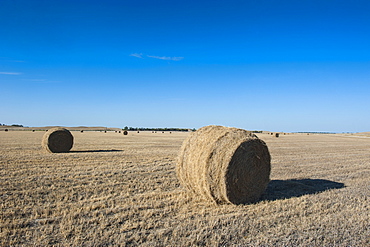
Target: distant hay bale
x,y
82,131
224,165
6,130
125,132
57,140
276,134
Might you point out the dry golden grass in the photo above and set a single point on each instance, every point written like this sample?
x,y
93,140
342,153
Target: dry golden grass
x,y
121,190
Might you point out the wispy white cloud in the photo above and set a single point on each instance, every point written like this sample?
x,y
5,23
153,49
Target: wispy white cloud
x,y
139,55
10,73
167,58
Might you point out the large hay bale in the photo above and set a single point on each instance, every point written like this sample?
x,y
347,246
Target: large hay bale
x,y
224,165
57,140
125,132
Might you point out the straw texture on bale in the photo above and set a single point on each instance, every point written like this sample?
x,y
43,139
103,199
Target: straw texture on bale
x,y
57,140
224,165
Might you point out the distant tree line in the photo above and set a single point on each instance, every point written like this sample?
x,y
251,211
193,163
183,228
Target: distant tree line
x,y
313,132
156,129
13,125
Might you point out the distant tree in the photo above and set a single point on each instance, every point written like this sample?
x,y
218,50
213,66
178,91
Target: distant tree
x,y
156,129
17,125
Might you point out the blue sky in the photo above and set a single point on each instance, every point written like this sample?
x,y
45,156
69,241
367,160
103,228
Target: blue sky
x,y
258,65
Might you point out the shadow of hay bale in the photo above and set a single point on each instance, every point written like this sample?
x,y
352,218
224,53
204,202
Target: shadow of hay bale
x,y
285,189
96,151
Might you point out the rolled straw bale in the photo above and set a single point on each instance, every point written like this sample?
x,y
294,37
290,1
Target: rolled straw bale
x,y
224,165
57,140
276,134
125,132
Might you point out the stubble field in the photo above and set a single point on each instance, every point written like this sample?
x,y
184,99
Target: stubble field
x,y
121,190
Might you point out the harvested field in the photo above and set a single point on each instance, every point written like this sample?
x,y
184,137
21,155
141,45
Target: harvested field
x,y
122,190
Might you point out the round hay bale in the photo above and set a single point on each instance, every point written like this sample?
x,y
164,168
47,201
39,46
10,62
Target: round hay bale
x,y
224,165
6,130
125,132
57,140
276,134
